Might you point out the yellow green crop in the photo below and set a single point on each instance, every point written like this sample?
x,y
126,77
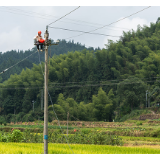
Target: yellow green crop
x,y
37,148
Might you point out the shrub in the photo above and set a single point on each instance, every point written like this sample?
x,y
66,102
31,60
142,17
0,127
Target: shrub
x,y
156,133
4,138
139,123
86,131
79,137
16,136
27,135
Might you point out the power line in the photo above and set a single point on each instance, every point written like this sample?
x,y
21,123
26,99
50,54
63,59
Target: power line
x,y
64,83
39,14
59,21
17,9
96,23
64,16
82,31
104,81
42,17
121,19
110,23
109,84
16,63
85,85
25,14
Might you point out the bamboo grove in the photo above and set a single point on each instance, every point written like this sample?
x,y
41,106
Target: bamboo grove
x,y
92,85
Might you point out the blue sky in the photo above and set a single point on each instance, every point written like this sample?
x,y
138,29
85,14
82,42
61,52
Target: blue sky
x,y
22,21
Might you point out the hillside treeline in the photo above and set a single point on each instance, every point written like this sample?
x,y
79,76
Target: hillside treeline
x,y
10,58
99,85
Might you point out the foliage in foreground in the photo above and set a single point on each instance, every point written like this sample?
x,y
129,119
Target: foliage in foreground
x,y
57,137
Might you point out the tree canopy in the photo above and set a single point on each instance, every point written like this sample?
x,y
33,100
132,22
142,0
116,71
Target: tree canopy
x,y
90,84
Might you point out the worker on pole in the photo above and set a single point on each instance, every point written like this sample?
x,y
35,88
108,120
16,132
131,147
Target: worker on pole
x,y
39,41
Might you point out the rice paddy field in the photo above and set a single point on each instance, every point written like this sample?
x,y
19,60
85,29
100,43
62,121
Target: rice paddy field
x,y
138,137
37,148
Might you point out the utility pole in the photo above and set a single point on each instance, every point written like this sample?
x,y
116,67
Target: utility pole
x,y
42,99
46,35
146,98
33,104
67,122
47,44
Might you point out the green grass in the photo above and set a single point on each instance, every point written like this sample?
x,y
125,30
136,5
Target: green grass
x,y
36,126
37,148
148,139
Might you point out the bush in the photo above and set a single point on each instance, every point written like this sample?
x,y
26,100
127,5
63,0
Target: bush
x,y
134,114
86,131
16,136
156,133
79,137
139,123
4,138
32,137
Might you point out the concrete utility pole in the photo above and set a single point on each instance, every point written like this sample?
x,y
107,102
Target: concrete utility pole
x,y
42,99
146,98
47,44
67,122
33,104
46,94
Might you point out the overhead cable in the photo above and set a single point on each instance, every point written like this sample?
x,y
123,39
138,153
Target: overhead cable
x,y
85,85
83,31
16,63
110,23
64,16
83,81
44,15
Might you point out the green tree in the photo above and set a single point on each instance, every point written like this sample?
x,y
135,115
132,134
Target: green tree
x,y
132,92
103,105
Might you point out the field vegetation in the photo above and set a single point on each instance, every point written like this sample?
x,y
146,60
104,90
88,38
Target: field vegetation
x,y
37,148
103,90
132,136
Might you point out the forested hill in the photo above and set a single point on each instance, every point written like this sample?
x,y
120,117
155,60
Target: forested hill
x,y
102,85
9,58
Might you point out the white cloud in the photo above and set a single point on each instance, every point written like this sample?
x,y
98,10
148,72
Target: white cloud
x,y
126,23
13,37
10,40
46,14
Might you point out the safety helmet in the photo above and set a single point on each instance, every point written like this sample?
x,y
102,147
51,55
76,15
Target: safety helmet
x,y
39,32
